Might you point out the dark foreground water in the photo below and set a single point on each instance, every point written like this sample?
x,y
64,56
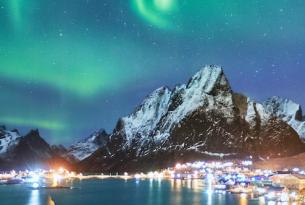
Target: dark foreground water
x,y
118,192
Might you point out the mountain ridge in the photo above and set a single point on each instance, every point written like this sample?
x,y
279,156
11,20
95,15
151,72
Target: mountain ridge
x,y
27,152
195,119
201,119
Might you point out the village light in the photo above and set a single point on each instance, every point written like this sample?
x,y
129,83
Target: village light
x,y
243,195
35,185
302,172
228,164
160,175
35,178
178,166
150,175
295,169
284,197
261,190
56,178
61,170
271,195
247,163
195,175
293,195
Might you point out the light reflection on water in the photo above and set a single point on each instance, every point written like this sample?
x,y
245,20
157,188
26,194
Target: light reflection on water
x,y
50,201
34,198
209,193
243,199
130,192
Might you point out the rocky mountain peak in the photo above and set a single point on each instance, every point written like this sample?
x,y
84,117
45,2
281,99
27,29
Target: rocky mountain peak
x,y
163,109
33,134
100,137
208,79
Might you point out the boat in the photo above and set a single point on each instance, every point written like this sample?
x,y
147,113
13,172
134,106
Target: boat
x,y
240,190
52,187
220,187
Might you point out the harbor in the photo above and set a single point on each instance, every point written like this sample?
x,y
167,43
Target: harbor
x,y
222,177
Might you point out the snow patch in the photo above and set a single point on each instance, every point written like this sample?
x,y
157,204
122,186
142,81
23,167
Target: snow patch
x,y
83,149
149,113
286,110
8,140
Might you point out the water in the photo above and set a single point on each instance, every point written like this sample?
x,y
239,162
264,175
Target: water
x,y
119,191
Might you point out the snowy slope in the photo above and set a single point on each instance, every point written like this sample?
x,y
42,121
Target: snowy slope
x,y
24,152
276,107
256,114
145,119
288,111
8,140
86,147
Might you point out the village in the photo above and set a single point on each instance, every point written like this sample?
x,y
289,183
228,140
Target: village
x,y
222,177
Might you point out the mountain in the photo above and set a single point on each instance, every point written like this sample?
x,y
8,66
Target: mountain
x,y
288,111
26,152
81,150
204,118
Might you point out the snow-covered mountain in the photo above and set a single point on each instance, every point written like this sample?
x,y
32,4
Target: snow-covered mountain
x,y
164,109
203,118
32,151
199,119
86,147
25,152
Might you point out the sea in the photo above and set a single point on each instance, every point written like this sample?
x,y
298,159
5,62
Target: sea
x,y
124,192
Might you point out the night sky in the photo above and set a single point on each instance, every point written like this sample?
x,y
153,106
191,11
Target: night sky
x,y
71,67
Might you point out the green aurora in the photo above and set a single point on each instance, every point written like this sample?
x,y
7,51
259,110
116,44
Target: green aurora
x,y
72,67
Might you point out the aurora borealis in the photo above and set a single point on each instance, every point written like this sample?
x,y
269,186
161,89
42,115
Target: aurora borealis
x,y
72,67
